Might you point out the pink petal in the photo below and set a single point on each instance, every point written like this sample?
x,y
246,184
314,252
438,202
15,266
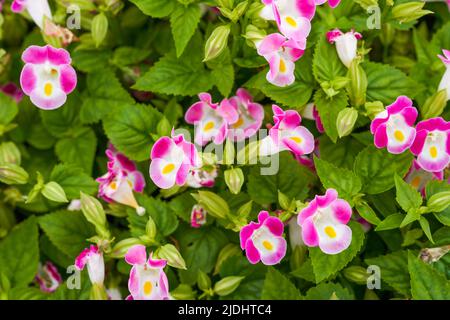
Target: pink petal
x,y
136,255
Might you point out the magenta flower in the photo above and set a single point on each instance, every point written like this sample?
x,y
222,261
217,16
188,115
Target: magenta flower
x,y
264,240
13,91
251,115
288,10
204,177
281,55
147,278
432,144
324,223
445,82
37,9
287,134
171,161
48,277
93,258
122,178
211,119
198,216
47,76
346,44
393,128
419,178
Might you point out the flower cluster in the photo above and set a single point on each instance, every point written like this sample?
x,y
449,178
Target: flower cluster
x,y
122,178
429,140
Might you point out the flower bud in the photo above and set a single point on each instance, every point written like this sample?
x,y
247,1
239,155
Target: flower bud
x,y
234,178
283,200
228,251
368,3
228,153
13,174
150,228
227,285
163,128
358,84
373,108
203,281
170,253
213,203
94,213
254,35
121,248
9,153
216,42
98,292
356,274
439,201
346,120
410,11
183,292
99,28
434,105
54,192
229,4
245,209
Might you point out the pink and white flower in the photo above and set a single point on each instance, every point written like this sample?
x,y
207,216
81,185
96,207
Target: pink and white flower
x,y
346,44
432,144
287,134
171,161
263,241
445,82
147,278
251,115
324,223
310,112
48,277
281,55
210,119
204,177
198,216
393,128
37,9
13,91
419,178
122,178
93,258
47,76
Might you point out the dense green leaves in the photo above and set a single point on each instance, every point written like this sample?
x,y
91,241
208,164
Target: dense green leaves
x,y
156,8
329,109
278,287
184,21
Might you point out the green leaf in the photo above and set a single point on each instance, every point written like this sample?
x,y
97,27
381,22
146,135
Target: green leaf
x,y
305,272
291,179
67,230
325,265
407,196
184,21
223,73
200,249
19,253
346,183
91,60
386,83
426,282
329,291
59,122
162,214
156,8
179,76
394,270
105,95
327,65
8,109
130,130
79,149
124,56
73,180
392,221
278,287
99,28
434,187
329,109
376,168
425,225
366,212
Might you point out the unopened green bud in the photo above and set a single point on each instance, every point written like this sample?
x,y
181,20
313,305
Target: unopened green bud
x,y
367,3
370,295
54,192
358,84
410,11
228,153
150,228
434,105
203,281
170,253
239,10
183,292
9,153
94,213
229,4
283,200
234,178
121,248
356,274
227,285
98,292
213,203
99,28
254,35
228,251
439,201
249,154
13,174
374,108
245,209
216,42
346,120
163,128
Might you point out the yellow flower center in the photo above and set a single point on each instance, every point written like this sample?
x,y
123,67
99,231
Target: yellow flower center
x,y
330,232
168,168
282,66
208,126
148,288
267,245
415,182
239,123
296,139
399,135
433,152
291,22
113,185
53,72
48,89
